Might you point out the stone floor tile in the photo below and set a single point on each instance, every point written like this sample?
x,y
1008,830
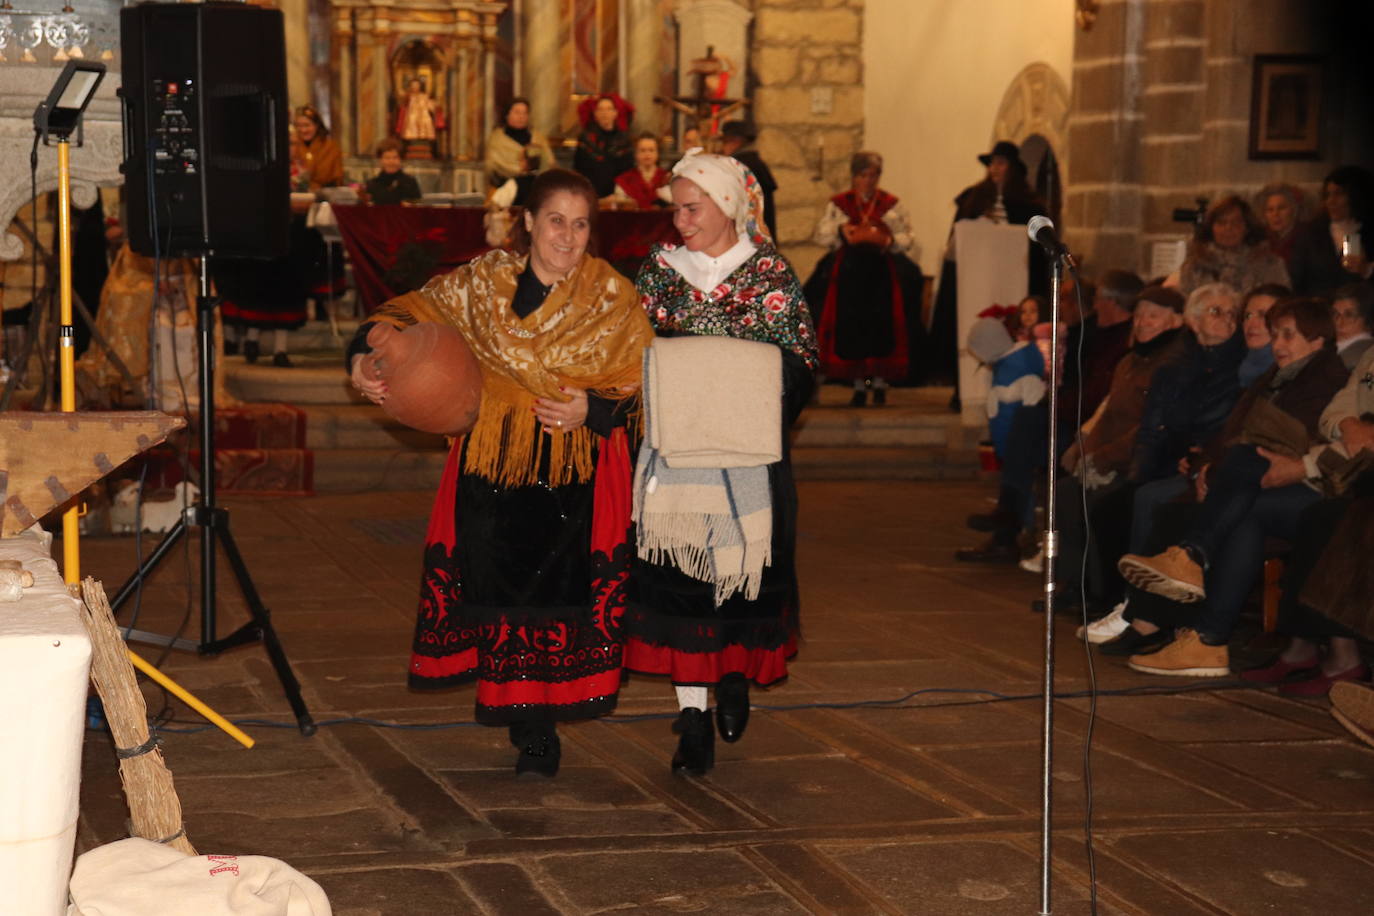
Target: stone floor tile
x,y
822,790
325,790
1330,774
1194,718
575,787
958,879
568,821
266,833
710,881
396,892
1242,871
505,889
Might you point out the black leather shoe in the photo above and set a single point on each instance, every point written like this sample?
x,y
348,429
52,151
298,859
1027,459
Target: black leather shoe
x,y
1133,642
859,399
231,347
991,552
251,350
281,360
540,750
732,707
879,397
696,748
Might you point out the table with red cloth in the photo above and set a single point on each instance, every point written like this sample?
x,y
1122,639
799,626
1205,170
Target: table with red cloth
x,y
398,246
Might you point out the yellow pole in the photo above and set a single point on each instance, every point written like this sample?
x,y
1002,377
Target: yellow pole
x,y
182,694
71,529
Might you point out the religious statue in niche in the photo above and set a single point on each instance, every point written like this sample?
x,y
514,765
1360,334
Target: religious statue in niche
x,y
417,71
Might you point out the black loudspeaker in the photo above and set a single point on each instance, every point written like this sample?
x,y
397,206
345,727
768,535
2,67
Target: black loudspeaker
x,y
206,162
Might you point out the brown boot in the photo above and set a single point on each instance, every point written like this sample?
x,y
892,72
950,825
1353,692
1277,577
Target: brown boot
x,y
1171,574
1186,656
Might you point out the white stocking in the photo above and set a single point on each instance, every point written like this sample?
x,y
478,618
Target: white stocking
x,y
691,697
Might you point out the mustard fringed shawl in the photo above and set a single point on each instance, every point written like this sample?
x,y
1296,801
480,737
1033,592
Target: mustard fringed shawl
x,y
589,333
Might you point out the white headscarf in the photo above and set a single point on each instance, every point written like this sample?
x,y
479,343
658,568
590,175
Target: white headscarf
x,y
733,188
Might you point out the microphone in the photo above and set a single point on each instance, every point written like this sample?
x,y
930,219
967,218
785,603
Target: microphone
x,y
1041,231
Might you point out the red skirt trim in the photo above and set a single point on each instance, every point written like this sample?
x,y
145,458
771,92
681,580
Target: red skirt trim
x,y
762,666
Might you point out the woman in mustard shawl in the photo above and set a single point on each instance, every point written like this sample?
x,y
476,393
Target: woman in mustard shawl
x,y
527,552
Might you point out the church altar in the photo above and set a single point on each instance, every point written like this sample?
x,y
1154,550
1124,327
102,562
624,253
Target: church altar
x,y
428,241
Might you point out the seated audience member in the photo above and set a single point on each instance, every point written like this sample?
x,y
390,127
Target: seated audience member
x,y
1106,337
1259,353
1191,397
1353,312
1280,207
603,148
1230,248
1249,492
515,152
1155,493
1099,460
1018,372
391,185
1334,249
646,185
1327,592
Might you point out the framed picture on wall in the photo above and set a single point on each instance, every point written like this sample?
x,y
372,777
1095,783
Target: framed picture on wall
x,y
1286,107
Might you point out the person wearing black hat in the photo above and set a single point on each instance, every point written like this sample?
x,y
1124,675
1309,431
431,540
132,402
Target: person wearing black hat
x,y
1003,196
737,142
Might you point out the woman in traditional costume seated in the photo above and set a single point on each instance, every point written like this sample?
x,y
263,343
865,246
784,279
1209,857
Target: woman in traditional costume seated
x,y
646,185
862,290
527,545
517,151
603,149
726,281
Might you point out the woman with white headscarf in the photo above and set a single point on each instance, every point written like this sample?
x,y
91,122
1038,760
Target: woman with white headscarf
x,y
727,280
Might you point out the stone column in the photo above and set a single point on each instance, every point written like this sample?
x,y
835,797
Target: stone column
x,y
540,62
488,73
1102,201
381,82
640,63
344,127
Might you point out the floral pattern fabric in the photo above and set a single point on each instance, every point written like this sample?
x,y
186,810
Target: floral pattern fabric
x,y
761,300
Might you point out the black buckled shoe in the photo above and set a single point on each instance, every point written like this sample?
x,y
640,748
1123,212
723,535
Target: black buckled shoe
x,y
879,397
540,750
696,748
251,351
993,551
859,398
732,707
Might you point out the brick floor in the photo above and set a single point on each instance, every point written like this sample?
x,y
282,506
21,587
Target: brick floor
x,y
1220,801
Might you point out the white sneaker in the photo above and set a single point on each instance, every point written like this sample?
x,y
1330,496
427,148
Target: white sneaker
x,y
1035,563
1106,629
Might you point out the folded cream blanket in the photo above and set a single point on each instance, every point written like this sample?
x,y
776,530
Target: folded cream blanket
x,y
713,415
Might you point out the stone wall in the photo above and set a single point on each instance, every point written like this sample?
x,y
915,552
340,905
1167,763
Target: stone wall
x,y
809,107
1161,115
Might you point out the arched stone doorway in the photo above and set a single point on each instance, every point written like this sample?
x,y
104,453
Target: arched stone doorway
x,y
1035,115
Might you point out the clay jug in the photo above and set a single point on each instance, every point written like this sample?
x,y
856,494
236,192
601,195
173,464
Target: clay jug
x,y
434,383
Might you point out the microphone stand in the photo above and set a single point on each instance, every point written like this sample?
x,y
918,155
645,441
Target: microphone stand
x,y
1051,546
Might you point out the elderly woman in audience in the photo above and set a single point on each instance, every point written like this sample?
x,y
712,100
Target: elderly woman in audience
x,y
1334,248
1230,248
1353,311
1280,206
1259,350
1248,492
1327,591
1189,400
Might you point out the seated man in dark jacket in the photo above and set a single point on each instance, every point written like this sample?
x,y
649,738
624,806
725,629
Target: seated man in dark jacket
x,y
1249,493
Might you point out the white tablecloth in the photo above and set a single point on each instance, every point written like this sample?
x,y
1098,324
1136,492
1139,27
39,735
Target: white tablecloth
x,y
45,659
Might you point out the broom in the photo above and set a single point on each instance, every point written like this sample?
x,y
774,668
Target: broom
x,y
155,810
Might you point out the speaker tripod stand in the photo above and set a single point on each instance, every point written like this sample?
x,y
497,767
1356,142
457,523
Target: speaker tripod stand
x,y
213,523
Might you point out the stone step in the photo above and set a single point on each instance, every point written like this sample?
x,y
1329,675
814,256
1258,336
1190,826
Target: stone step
x,y
317,377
